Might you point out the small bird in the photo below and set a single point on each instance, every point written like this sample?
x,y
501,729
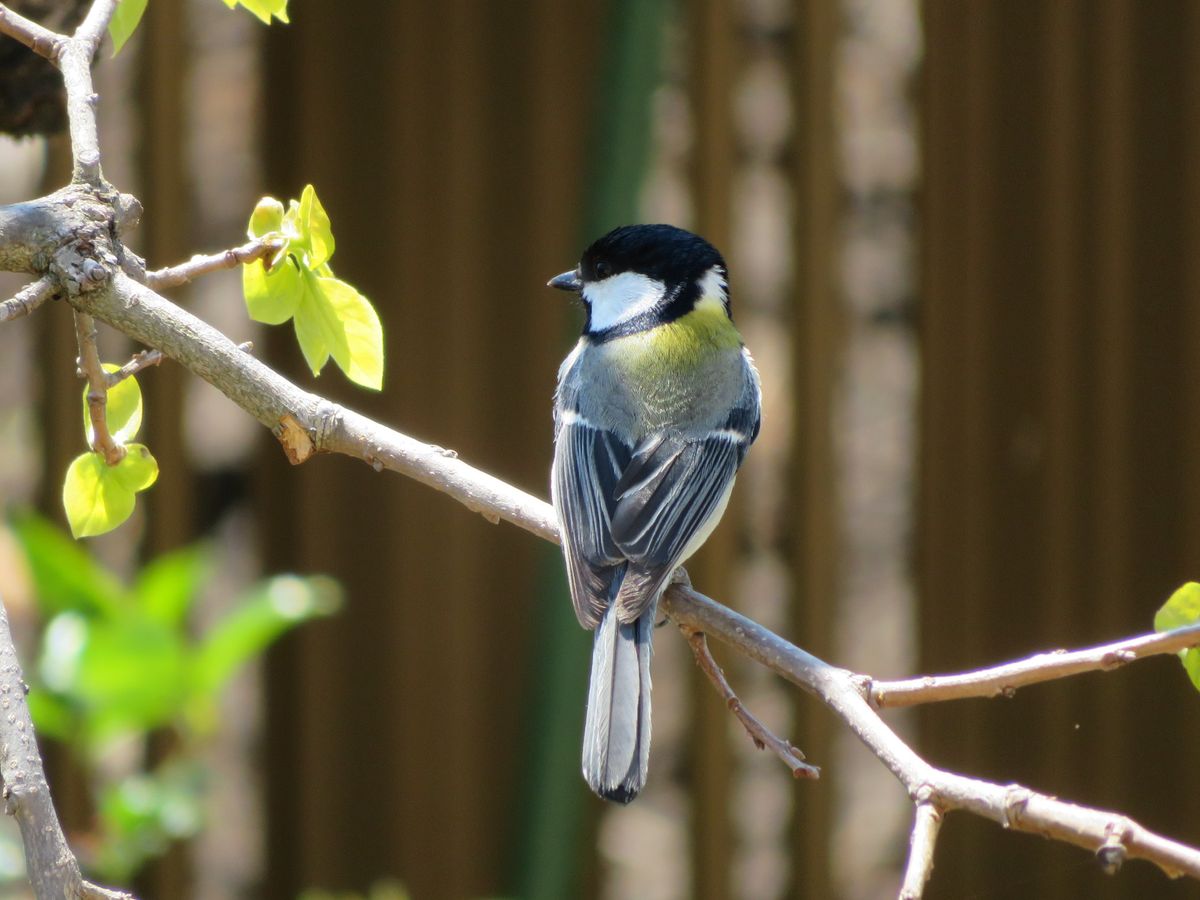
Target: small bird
x,y
655,410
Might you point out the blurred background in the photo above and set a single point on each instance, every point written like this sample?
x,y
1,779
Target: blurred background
x,y
964,243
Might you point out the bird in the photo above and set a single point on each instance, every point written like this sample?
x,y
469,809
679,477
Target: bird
x,y
654,412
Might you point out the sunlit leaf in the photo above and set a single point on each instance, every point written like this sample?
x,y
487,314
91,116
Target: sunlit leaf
x,y
267,218
137,470
362,350
65,577
98,497
317,327
123,411
271,297
1181,610
95,500
314,226
263,9
124,22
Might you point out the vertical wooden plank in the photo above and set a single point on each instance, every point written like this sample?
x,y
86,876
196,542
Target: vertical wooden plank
x,y
165,239
816,329
711,77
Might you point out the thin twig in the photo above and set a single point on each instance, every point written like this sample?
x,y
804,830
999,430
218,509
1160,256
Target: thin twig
x,y
27,299
926,823
38,38
1005,679
762,736
202,264
143,359
97,395
1012,806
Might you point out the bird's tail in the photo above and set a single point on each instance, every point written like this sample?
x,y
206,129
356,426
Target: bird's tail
x,y
616,735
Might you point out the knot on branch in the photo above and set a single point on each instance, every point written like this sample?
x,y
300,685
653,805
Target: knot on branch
x,y
1112,853
1016,799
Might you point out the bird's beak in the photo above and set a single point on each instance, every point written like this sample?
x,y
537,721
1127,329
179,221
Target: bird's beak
x,y
567,281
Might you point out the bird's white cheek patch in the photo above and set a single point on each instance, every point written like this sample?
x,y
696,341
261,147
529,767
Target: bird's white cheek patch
x,y
621,297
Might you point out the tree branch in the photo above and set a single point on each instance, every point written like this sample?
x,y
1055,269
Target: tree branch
x,y
762,736
39,39
200,264
926,824
306,424
53,870
1005,679
27,299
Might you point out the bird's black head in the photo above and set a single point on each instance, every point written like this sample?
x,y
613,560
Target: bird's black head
x,y
639,276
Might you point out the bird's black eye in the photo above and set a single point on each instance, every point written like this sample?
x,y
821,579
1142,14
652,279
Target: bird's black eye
x,y
603,269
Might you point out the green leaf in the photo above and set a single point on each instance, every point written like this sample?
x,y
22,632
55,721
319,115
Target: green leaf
x,y
272,608
98,497
333,319
65,577
1180,611
267,218
317,326
362,349
167,586
272,297
123,412
263,9
124,22
313,223
95,501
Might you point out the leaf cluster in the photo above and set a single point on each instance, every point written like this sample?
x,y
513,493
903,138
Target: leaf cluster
x,y
118,661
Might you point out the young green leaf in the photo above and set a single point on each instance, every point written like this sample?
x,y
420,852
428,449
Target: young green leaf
x,y
123,412
267,218
98,497
263,9
362,348
1181,610
124,22
313,223
330,317
271,297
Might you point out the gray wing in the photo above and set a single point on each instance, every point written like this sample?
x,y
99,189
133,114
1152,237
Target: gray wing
x,y
666,495
588,463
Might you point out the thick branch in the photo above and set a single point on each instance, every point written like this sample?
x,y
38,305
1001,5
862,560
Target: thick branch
x,y
53,871
306,423
1005,679
27,299
198,265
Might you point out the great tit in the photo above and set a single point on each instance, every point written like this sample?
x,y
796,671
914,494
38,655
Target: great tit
x,y
655,410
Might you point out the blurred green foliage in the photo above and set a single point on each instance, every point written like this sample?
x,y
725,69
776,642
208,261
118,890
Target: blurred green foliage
x,y
118,662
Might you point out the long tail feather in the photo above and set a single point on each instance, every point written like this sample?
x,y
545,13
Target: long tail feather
x,y
616,735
